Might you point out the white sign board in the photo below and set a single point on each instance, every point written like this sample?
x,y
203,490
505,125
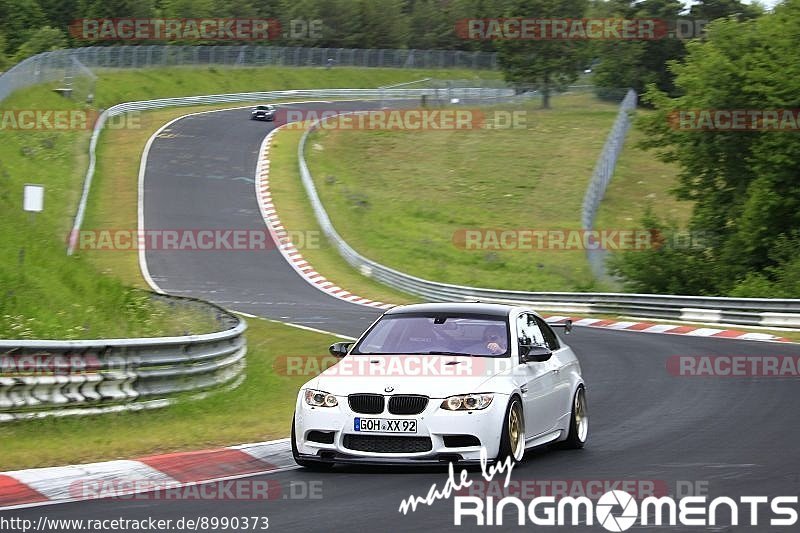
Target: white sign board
x,y
33,199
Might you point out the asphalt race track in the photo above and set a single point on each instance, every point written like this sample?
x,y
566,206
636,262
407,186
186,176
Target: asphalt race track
x,y
734,436
199,175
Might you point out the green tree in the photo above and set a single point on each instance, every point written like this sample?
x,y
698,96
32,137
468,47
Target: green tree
x,y
235,8
672,266
544,65
743,184
303,11
341,21
716,9
189,8
18,20
43,40
476,9
637,64
383,24
4,62
431,25
60,13
119,9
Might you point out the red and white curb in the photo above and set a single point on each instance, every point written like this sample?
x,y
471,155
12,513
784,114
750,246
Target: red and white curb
x,y
670,329
158,475
285,244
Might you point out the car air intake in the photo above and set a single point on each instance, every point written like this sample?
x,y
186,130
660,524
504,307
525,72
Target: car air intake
x,y
387,444
366,404
460,441
323,437
407,404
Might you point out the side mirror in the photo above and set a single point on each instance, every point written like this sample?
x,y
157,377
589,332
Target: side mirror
x,y
340,349
534,353
567,325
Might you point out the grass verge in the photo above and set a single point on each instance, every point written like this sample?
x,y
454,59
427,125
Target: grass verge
x,y
295,212
641,181
44,293
114,86
400,197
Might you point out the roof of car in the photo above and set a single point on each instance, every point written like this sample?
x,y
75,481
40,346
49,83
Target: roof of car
x,y
453,307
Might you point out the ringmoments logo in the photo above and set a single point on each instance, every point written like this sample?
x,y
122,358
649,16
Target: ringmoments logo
x,y
615,510
618,510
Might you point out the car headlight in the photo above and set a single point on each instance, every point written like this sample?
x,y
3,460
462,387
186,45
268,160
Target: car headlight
x,y
467,402
317,398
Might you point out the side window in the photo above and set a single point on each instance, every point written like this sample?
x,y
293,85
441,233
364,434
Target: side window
x,y
550,338
528,331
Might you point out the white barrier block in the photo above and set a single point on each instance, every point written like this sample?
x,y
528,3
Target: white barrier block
x,y
690,314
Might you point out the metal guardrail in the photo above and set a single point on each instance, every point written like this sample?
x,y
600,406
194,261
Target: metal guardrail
x,y
51,377
433,95
60,64
741,311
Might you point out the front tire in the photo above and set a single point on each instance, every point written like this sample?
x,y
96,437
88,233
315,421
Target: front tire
x,y
512,438
579,421
311,465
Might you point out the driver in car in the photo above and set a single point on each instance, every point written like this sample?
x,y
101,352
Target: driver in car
x,y
495,339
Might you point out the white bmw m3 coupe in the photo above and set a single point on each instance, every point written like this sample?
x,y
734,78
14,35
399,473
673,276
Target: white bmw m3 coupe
x,y
439,383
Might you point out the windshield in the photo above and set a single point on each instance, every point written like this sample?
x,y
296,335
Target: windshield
x,y
463,334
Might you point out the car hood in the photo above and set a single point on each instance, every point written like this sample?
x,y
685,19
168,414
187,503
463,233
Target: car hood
x,y
436,376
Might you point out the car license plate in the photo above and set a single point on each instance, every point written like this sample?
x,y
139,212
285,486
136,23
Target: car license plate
x,y
384,425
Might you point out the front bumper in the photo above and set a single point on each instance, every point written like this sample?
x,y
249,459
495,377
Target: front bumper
x,y
433,424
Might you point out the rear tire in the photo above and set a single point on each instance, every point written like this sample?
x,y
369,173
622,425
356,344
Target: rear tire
x,y
311,465
579,422
512,438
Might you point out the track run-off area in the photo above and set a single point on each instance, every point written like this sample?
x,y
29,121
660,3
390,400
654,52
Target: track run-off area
x,y
720,436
